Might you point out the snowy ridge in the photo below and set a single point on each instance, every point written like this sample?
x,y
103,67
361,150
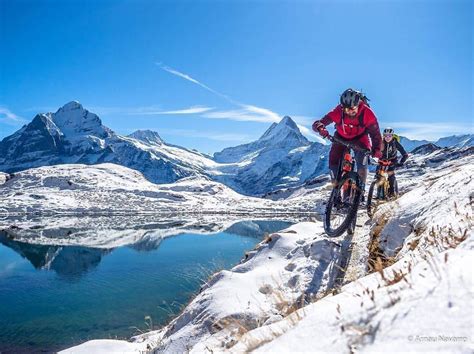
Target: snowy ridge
x,y
280,297
147,136
456,141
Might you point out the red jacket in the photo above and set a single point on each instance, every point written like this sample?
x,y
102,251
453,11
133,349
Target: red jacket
x,y
350,128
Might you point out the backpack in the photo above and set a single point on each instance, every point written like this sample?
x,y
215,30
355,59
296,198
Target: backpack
x,y
364,98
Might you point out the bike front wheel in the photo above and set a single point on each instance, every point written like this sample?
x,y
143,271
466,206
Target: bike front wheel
x,y
342,207
370,196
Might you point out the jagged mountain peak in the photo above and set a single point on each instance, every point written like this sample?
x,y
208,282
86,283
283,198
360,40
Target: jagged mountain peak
x,y
74,120
282,130
71,106
288,122
147,136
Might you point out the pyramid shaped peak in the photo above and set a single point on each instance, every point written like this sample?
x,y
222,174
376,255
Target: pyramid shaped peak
x,y
71,106
74,120
281,129
286,120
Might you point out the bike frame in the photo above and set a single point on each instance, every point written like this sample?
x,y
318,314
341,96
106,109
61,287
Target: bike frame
x,y
347,163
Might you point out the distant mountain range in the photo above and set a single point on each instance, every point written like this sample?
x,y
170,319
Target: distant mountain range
x,y
449,141
282,157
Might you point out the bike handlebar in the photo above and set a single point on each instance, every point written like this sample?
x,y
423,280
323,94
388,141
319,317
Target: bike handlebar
x,y
348,144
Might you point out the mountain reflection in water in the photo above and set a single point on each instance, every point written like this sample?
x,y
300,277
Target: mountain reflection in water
x,y
64,281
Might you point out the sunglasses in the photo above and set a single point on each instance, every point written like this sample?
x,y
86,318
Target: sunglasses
x,y
350,109
388,135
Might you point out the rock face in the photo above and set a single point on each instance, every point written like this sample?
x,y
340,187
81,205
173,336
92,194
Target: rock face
x,y
425,149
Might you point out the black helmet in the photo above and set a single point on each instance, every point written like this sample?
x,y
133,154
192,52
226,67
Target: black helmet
x,y
350,98
388,130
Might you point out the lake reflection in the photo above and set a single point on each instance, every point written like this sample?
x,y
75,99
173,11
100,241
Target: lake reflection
x,y
55,293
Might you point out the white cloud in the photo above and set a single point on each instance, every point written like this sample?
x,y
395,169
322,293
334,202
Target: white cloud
x,y
190,110
428,131
246,112
194,81
244,115
9,117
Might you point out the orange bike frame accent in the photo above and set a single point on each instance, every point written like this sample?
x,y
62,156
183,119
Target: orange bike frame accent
x,y
347,163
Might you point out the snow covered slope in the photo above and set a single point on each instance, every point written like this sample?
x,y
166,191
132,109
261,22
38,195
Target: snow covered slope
x,y
109,188
456,141
286,295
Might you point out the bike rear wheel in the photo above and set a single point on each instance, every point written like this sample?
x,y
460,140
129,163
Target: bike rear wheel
x,y
341,209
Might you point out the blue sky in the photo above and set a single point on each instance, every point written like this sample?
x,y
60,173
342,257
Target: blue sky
x,y
212,74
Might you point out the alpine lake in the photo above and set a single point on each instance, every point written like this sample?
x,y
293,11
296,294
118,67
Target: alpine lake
x,y
63,285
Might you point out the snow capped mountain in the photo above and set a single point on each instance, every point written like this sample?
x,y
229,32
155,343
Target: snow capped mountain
x,y
282,157
449,141
285,135
75,122
75,135
425,149
456,140
147,136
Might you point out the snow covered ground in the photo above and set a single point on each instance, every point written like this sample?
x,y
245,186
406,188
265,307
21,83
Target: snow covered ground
x,y
109,188
408,285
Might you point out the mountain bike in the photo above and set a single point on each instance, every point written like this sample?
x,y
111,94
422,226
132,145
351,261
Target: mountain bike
x,y
341,209
380,186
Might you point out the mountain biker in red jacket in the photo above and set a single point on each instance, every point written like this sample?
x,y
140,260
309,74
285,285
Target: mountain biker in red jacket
x,y
355,122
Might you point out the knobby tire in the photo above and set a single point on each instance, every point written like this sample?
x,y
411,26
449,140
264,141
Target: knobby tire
x,y
351,215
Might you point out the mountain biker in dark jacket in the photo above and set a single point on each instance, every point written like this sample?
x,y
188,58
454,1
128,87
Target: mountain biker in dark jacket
x,y
354,122
390,148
